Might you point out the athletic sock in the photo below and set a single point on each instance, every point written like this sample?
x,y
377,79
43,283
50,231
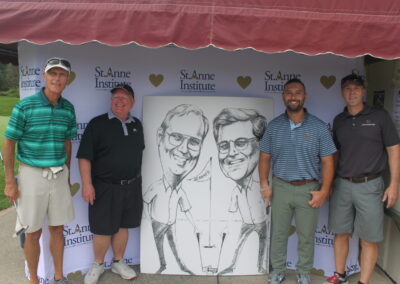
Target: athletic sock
x,y
342,275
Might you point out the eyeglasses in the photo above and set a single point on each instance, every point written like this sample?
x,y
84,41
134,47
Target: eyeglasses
x,y
56,61
177,139
240,144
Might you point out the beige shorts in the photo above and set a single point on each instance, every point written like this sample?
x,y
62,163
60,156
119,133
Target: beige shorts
x,y
40,198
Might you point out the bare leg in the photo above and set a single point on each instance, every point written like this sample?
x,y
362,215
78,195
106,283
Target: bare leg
x,y
57,249
369,256
32,253
341,249
118,243
101,244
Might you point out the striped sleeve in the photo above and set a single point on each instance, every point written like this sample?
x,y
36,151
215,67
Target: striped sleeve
x,y
327,146
16,124
72,131
265,144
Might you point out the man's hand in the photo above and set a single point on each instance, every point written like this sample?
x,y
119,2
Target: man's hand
x,y
318,198
266,193
391,196
88,193
11,192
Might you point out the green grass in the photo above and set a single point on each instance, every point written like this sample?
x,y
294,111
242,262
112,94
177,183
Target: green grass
x,y
7,104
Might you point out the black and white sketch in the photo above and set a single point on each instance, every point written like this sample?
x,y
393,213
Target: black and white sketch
x,y
179,149
204,214
237,132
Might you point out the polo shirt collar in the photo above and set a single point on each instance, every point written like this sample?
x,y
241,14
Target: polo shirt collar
x,y
248,185
46,102
366,110
111,115
305,116
168,186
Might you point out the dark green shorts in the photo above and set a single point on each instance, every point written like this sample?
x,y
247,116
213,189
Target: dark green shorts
x,y
358,208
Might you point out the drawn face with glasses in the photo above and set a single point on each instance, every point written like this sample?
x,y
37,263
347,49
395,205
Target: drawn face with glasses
x,y
180,144
237,150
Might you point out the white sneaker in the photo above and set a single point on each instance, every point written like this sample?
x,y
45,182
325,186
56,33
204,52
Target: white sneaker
x,y
123,270
92,277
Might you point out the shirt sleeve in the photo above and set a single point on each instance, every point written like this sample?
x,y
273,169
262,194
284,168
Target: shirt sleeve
x,y
327,146
234,205
334,132
86,147
149,194
389,131
265,144
184,202
72,131
16,124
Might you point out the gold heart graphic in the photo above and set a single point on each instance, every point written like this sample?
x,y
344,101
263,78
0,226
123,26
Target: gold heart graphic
x,y
75,275
327,82
156,80
71,77
292,230
243,82
319,272
74,188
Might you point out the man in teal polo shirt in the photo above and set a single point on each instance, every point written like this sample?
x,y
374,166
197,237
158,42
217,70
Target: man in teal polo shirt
x,y
42,126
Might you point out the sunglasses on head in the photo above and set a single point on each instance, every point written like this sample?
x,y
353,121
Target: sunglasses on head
x,y
56,61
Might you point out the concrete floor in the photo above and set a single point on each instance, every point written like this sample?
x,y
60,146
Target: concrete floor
x,y
12,267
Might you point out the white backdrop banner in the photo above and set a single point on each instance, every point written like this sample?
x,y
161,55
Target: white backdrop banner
x,y
171,71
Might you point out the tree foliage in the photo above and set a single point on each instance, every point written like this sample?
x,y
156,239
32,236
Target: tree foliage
x,y
9,76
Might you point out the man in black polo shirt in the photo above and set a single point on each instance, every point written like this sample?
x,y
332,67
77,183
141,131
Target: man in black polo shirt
x,y
110,159
366,140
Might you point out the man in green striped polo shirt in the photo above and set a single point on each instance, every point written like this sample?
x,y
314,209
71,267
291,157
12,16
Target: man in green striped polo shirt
x,y
42,126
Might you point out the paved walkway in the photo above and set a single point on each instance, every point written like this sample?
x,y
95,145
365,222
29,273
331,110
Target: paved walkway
x,y
12,267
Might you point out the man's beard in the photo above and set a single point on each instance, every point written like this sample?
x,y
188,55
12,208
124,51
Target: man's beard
x,y
297,108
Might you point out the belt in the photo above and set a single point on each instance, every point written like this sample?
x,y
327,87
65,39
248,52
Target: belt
x,y
121,181
298,182
362,179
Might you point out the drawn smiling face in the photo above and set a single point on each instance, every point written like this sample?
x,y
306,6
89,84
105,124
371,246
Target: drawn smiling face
x,y
237,150
180,144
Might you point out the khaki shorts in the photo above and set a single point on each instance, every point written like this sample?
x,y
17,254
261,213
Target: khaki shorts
x,y
358,208
40,197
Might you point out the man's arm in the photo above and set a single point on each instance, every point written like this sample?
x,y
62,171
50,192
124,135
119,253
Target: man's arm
x,y
391,194
68,149
11,189
264,166
327,173
85,167
191,220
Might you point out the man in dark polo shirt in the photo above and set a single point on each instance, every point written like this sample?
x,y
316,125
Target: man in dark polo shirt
x,y
110,159
366,140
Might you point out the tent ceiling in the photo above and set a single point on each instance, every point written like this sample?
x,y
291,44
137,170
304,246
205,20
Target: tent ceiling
x,y
343,27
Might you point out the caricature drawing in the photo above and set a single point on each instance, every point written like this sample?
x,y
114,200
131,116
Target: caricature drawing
x,y
237,132
179,141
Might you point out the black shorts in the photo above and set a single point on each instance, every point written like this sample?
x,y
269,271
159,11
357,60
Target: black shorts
x,y
115,206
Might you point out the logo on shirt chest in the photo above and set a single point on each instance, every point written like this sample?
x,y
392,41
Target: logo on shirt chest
x,y
368,122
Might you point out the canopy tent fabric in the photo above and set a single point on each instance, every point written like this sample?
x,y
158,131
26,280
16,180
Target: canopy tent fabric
x,y
343,27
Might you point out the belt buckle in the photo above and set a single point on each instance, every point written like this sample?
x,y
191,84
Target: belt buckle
x,y
124,182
